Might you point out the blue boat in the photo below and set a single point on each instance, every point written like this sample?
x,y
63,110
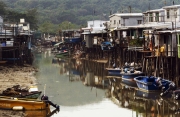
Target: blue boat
x,y
73,40
106,45
150,84
127,83
129,75
114,71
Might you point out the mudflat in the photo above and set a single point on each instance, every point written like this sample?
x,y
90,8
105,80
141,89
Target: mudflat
x,y
11,75
17,75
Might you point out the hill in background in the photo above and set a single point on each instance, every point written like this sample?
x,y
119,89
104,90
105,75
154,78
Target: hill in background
x,y
80,11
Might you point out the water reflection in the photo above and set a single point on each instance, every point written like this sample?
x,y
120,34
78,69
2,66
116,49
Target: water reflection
x,y
82,88
142,103
60,75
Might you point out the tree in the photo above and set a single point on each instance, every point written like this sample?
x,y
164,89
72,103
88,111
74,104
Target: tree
x,y
3,10
46,27
66,25
32,18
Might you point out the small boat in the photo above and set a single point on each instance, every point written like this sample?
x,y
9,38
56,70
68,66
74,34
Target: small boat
x,y
64,52
106,45
150,84
129,75
11,103
41,113
17,92
129,84
21,104
132,65
61,56
114,71
73,40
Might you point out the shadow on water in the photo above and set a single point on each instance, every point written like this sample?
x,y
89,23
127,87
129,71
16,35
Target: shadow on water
x,y
81,86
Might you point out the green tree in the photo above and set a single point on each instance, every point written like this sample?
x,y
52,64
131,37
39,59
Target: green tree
x,y
32,18
46,27
3,10
66,25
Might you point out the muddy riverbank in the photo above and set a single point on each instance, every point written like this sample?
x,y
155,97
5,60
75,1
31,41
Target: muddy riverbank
x,y
11,75
17,75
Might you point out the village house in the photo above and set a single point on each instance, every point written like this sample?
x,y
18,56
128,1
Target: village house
x,y
125,19
118,26
164,27
15,39
24,26
94,33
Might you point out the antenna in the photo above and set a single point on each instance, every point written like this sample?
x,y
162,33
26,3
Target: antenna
x,y
164,2
130,9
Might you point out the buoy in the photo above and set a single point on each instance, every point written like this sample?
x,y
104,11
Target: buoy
x,y
18,108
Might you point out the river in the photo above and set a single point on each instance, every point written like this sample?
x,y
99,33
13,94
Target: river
x,y
79,99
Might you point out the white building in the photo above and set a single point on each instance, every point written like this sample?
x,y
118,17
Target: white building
x,y
25,26
172,13
93,32
125,19
96,24
156,15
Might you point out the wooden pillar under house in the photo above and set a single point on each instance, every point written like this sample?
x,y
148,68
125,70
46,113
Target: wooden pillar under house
x,y
0,53
123,56
108,60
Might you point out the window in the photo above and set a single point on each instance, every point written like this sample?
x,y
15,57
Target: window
x,y
167,14
145,18
91,25
119,21
150,17
100,25
139,21
157,17
114,21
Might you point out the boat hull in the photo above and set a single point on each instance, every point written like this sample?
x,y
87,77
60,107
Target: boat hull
x,y
147,84
113,72
23,103
73,40
62,53
128,78
34,95
129,83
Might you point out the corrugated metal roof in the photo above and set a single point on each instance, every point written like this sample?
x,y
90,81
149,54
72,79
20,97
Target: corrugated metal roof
x,y
172,6
148,25
126,14
169,31
155,10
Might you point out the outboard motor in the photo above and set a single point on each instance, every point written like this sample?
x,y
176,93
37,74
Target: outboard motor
x,y
46,99
172,86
